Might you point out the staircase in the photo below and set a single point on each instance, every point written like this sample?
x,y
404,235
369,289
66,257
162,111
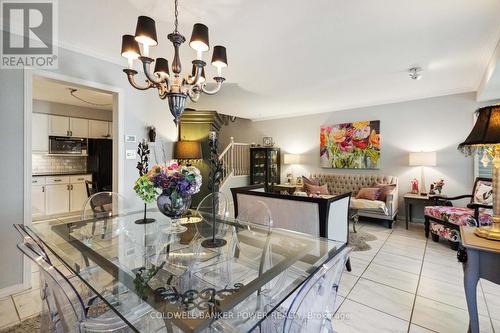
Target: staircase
x,y
236,160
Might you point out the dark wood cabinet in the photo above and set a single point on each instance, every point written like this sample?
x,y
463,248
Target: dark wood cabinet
x,y
265,166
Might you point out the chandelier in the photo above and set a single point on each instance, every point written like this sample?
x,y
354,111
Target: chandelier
x,y
175,88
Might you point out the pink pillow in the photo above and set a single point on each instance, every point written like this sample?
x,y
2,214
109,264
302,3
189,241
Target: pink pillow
x,y
316,189
386,189
306,180
369,193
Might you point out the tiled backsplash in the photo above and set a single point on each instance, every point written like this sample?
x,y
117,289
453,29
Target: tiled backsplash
x,y
42,163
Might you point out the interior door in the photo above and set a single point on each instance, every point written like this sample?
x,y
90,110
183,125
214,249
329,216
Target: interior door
x,y
79,127
78,196
57,199
58,125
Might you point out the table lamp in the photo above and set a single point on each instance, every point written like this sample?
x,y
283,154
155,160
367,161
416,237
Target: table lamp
x,y
422,159
291,159
485,137
187,151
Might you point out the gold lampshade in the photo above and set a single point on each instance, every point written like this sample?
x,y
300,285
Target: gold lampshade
x,y
486,133
187,150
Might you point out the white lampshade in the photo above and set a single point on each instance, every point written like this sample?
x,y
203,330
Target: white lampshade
x,y
422,158
291,159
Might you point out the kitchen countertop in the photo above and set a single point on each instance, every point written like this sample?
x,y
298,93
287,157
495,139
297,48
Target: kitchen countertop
x,y
43,174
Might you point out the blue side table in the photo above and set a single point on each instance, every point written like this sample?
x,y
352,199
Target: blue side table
x,y
483,258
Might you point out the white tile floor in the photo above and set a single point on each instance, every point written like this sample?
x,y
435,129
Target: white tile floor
x,y
405,283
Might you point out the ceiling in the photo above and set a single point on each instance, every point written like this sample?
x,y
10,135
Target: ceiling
x,y
59,92
293,57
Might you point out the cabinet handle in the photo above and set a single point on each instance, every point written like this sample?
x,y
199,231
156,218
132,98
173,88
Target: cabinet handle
x,y
80,178
67,187
57,180
43,189
70,133
71,187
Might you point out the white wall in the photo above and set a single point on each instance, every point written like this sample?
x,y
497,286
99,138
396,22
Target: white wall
x,y
141,109
433,124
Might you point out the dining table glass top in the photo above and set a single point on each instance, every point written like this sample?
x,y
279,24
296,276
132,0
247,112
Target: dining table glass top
x,y
190,287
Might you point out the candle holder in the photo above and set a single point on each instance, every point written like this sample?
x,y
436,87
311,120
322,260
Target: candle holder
x,y
215,177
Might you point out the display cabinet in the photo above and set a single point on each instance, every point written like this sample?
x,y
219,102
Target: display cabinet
x,y
265,166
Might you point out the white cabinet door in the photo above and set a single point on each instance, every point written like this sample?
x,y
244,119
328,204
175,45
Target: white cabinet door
x,y
98,129
40,132
37,200
79,128
78,196
58,125
56,199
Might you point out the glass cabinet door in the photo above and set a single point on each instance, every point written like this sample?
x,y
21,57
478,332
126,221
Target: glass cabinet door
x,y
259,166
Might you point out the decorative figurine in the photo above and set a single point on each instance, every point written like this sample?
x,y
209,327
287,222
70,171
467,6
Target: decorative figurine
x,y
414,186
152,133
437,186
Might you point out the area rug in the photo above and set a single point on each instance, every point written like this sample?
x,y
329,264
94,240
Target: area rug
x,y
29,325
358,240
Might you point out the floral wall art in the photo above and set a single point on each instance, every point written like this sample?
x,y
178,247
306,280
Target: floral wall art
x,y
350,145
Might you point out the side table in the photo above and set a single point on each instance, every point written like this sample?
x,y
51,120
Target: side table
x,y
288,188
483,256
410,199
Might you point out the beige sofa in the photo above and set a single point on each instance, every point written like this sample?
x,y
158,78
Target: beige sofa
x,y
341,183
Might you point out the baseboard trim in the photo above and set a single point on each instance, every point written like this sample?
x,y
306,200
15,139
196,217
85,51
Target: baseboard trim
x,y
17,288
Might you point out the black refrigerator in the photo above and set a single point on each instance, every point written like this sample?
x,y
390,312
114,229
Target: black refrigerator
x,y
100,163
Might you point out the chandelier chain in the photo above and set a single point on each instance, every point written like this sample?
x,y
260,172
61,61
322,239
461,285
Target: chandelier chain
x,y
176,21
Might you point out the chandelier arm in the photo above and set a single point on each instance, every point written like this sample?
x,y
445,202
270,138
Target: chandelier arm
x,y
130,75
194,94
214,91
146,65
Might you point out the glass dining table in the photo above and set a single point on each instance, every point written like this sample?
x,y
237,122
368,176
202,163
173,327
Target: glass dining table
x,y
191,288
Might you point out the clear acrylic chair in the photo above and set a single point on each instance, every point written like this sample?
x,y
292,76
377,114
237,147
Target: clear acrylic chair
x,y
311,307
64,310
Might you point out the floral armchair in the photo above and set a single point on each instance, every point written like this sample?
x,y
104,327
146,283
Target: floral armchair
x,y
444,220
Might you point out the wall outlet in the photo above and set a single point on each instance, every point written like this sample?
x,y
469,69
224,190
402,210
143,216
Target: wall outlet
x,y
130,154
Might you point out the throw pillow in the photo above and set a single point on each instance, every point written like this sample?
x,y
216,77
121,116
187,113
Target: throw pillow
x,y
316,189
386,189
484,194
369,193
306,180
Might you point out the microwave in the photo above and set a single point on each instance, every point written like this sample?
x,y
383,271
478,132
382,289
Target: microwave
x,y
61,145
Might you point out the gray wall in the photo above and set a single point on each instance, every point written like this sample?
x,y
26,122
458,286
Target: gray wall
x,y
71,110
141,109
433,124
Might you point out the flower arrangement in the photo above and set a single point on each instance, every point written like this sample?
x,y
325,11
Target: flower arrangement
x,y
173,180
350,145
437,186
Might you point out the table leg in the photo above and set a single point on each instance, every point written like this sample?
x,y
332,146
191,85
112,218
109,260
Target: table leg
x,y
471,277
406,213
410,206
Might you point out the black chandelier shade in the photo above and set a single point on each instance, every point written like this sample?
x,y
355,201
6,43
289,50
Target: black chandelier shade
x,y
130,47
219,57
486,131
199,38
161,67
145,31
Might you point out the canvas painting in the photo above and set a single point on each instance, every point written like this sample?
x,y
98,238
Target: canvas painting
x,y
350,145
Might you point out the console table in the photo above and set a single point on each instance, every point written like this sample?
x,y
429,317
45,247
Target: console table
x,y
410,199
482,260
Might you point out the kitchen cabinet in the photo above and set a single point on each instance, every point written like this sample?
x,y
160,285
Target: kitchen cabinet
x,y
57,199
53,195
58,125
78,127
40,132
99,129
37,200
110,129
